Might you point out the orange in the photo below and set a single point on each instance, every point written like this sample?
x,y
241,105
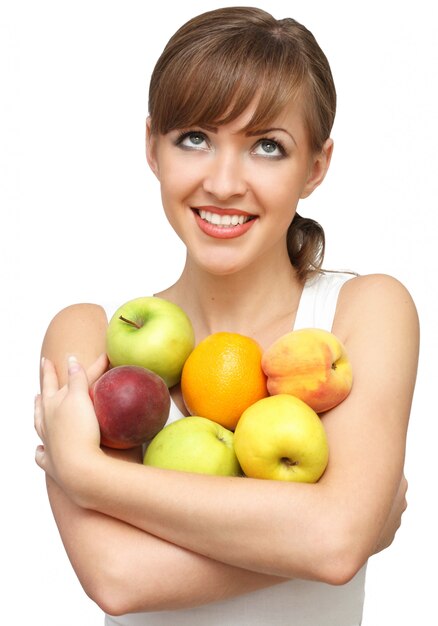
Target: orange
x,y
222,377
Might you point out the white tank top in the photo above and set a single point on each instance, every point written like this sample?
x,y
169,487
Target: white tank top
x,y
296,602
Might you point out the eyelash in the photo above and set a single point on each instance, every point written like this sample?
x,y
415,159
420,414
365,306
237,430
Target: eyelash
x,y
186,133
279,144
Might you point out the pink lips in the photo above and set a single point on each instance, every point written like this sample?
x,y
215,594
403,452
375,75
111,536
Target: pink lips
x,y
223,232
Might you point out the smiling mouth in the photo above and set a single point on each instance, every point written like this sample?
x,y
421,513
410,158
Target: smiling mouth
x,y
226,220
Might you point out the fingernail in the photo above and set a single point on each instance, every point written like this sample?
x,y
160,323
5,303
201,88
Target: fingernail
x,y
43,358
73,365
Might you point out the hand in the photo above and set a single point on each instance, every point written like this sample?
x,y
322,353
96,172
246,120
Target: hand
x,y
394,518
66,422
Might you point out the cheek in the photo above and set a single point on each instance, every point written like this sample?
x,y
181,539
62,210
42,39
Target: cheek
x,y
280,195
176,190
177,182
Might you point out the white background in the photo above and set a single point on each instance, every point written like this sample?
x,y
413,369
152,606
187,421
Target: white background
x,y
81,221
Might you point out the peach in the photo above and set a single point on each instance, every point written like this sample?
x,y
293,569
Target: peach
x,y
310,364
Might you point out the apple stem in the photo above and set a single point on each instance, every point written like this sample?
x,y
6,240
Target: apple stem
x,y
130,322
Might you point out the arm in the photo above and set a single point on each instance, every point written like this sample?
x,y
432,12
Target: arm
x,y
144,572
337,523
124,569
393,520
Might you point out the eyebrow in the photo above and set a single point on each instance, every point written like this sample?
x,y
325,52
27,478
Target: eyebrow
x,y
263,131
253,133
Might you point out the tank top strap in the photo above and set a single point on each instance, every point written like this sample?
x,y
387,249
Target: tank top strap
x,y
318,301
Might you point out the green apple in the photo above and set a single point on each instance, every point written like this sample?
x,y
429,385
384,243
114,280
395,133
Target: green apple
x,y
152,333
194,444
281,438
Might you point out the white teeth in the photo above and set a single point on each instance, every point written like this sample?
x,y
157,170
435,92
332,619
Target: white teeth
x,y
222,220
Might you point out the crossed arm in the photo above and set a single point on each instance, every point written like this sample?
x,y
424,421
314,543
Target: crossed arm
x,y
223,536
122,568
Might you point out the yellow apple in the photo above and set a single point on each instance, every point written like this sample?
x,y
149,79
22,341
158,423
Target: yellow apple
x,y
281,438
312,365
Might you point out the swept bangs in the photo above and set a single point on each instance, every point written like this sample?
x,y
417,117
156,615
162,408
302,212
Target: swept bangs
x,y
213,84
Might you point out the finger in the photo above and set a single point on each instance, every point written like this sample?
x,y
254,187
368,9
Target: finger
x,y
49,378
39,456
37,416
77,377
97,368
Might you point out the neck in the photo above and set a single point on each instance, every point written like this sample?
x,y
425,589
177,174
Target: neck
x,y
249,302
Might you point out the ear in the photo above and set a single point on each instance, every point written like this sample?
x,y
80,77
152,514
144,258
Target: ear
x,y
151,148
318,169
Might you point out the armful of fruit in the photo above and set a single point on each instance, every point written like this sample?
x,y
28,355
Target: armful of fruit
x,y
353,498
279,439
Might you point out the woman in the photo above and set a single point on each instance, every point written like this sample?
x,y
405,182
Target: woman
x,y
241,108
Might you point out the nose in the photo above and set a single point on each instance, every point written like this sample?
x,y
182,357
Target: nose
x,y
225,176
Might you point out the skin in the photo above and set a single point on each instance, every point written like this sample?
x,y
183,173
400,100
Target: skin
x,y
216,535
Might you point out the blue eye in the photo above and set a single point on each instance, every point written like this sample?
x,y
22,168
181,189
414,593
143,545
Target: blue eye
x,y
269,147
192,139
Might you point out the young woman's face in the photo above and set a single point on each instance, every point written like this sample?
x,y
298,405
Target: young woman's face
x,y
230,195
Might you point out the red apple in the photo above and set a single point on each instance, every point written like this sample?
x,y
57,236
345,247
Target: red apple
x,y
132,405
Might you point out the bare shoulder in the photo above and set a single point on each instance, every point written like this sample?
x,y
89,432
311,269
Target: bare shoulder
x,y
375,300
76,318
376,285
78,329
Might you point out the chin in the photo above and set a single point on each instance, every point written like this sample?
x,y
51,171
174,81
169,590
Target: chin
x,y
218,260
218,264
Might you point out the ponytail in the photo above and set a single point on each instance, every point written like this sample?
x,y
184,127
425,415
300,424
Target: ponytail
x,y
305,245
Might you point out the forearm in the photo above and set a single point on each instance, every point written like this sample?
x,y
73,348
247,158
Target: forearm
x,y
230,520
321,531
124,569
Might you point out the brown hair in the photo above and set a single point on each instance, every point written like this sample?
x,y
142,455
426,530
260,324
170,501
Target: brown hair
x,y
214,67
